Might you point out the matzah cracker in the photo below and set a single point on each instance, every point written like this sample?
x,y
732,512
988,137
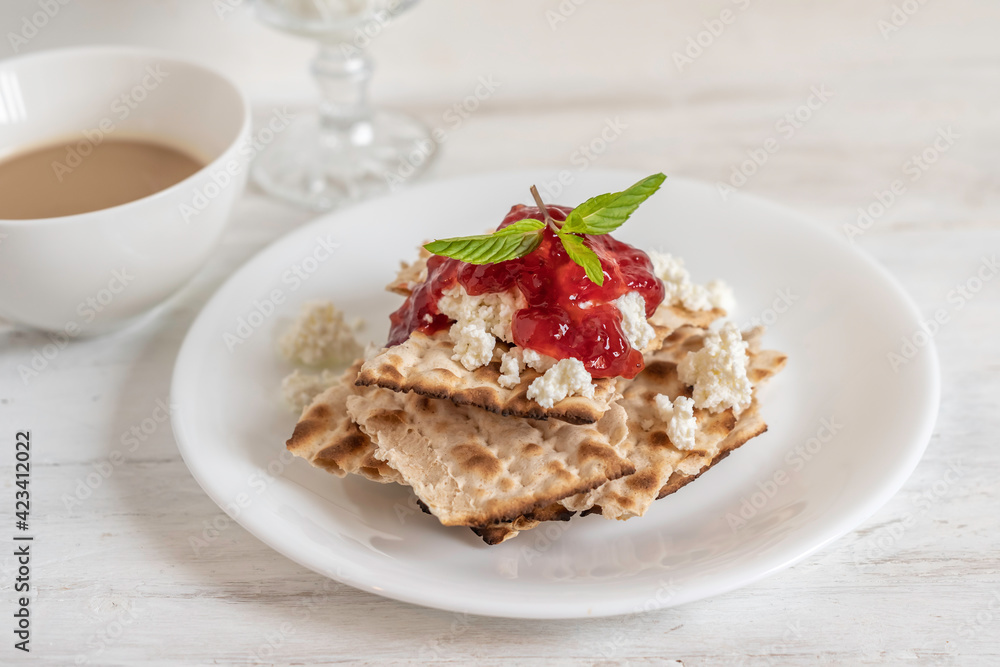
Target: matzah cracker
x,y
474,468
424,364
410,275
504,531
749,426
661,468
330,440
327,437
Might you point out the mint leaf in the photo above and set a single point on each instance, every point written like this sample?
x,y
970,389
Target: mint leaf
x,y
599,215
605,213
526,225
488,248
593,204
580,253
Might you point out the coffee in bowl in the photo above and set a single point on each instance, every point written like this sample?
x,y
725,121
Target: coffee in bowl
x,y
144,194
54,180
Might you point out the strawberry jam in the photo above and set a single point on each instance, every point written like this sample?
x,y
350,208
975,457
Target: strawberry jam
x,y
567,315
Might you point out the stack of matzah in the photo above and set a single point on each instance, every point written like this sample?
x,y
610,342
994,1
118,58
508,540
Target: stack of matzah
x,y
479,455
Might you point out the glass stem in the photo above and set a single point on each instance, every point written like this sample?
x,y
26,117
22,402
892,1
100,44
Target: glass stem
x,y
342,72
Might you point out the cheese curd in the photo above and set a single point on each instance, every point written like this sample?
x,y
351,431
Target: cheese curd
x,y
299,389
473,344
718,371
516,359
679,290
679,417
567,377
540,362
510,368
634,324
320,337
479,321
720,295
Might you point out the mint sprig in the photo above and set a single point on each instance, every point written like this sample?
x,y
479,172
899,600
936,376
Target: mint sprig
x,y
605,213
499,246
526,225
581,253
599,215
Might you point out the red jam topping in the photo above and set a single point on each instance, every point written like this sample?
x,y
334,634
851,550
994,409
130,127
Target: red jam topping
x,y
567,315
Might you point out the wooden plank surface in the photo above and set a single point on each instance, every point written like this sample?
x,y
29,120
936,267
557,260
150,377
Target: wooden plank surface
x,y
919,583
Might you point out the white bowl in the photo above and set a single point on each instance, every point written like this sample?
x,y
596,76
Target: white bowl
x,y
91,272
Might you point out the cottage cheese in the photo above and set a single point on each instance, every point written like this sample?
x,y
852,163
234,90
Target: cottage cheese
x,y
320,337
540,362
567,377
679,417
720,295
479,321
718,371
634,324
299,389
474,346
679,290
516,359
510,368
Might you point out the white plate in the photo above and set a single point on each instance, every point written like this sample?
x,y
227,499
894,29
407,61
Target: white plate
x,y
770,504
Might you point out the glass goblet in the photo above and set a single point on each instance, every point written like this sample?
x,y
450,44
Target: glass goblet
x,y
347,151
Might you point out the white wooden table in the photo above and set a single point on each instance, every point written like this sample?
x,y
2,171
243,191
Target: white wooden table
x,y
117,580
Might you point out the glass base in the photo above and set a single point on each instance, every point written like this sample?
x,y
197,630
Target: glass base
x,y
322,170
